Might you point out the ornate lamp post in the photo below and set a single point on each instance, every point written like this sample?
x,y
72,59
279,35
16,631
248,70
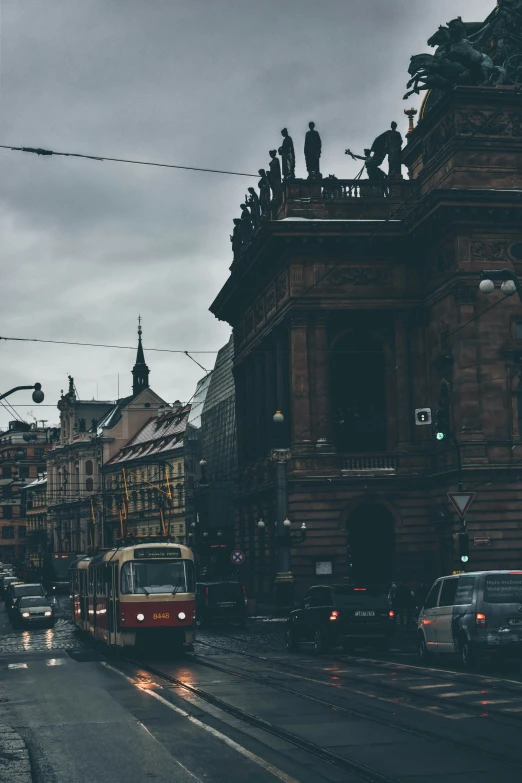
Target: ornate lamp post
x,y
38,395
284,581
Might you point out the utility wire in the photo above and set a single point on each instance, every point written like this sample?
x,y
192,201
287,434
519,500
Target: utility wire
x,y
99,345
40,151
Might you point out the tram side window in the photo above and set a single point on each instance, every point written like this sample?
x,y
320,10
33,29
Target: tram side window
x,y
91,581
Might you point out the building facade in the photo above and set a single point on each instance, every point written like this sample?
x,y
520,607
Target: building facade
x,y
91,433
143,483
353,304
23,450
39,538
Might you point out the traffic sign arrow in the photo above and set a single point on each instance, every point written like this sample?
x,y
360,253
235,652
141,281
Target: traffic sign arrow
x,y
461,501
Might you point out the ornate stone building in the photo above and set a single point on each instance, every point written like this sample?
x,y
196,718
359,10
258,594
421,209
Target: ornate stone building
x,y
91,433
355,303
23,449
144,482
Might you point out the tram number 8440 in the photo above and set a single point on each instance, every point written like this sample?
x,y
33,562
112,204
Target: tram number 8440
x,y
161,616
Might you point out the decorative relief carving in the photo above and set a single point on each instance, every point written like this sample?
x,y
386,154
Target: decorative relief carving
x,y
281,287
485,250
439,138
502,124
296,276
441,262
464,294
269,301
249,323
259,311
365,275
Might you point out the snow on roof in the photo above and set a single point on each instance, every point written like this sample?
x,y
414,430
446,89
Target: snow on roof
x,y
160,434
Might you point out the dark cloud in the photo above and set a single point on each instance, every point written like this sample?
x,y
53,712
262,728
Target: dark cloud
x,y
86,246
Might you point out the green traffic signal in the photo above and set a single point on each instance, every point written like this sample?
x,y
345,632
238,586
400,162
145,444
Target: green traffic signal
x,y
441,435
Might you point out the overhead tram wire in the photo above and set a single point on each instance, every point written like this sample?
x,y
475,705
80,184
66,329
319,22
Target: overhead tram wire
x,y
45,152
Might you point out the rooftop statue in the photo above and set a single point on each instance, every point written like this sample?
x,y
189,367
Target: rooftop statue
x,y
274,175
246,224
456,61
252,202
236,237
264,192
312,152
287,152
371,164
389,144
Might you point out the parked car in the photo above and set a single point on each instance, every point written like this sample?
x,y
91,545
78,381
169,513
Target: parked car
x,y
222,601
6,581
21,589
341,614
32,610
472,614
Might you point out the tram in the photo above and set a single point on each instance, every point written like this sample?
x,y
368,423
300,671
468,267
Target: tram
x,y
142,595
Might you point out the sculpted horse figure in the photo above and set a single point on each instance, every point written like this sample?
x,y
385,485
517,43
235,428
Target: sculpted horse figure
x,y
455,61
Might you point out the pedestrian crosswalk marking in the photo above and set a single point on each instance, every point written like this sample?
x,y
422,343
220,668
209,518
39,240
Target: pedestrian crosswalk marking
x,y
425,687
55,662
459,693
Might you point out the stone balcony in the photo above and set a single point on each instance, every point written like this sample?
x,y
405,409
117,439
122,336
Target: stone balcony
x,y
368,464
340,199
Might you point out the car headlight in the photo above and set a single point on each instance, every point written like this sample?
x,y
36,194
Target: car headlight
x,y
140,617
48,614
25,614
181,615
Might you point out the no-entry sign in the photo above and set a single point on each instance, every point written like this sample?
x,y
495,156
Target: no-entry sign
x,y
237,557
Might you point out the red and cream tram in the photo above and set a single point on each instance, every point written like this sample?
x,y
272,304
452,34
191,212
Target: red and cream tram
x,y
137,595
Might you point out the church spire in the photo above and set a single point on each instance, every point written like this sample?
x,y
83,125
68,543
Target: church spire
x,y
140,371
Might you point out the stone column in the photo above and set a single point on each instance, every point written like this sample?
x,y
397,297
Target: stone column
x,y
319,361
402,373
299,382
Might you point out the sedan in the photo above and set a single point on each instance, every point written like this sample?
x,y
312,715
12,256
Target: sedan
x,y
32,610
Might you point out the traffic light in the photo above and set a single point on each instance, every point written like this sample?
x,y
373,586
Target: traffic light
x,y
422,416
463,547
442,425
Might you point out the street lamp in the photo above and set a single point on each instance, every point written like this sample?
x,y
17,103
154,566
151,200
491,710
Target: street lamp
x,y
38,395
510,283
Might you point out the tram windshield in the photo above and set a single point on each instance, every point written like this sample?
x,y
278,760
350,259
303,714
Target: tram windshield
x,y
164,576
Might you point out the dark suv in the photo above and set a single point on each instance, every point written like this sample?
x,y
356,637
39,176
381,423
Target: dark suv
x,y
220,601
341,614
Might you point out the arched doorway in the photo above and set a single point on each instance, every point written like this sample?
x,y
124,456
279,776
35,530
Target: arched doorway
x,y
371,544
358,376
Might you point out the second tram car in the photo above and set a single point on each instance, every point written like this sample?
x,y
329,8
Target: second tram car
x,y
138,595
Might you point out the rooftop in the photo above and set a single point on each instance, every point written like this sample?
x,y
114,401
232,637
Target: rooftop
x,y
160,435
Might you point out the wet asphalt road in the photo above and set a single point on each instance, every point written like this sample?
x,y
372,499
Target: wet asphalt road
x,y
242,709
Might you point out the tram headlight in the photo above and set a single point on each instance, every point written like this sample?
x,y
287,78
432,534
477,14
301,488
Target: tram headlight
x,y
140,617
181,615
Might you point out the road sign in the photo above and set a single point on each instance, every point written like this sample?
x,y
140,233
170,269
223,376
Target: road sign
x,y
237,557
482,541
461,501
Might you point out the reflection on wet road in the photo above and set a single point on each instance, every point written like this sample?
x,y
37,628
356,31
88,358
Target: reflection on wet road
x,y
61,637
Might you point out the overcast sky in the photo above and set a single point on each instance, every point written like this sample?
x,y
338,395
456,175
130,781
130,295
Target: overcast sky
x,y
86,246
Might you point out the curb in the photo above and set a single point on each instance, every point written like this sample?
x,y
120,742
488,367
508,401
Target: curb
x,y
15,765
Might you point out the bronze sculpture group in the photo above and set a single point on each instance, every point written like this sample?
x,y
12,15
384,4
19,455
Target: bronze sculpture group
x,y
485,56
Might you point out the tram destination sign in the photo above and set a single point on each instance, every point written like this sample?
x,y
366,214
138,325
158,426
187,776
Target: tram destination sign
x,y
157,553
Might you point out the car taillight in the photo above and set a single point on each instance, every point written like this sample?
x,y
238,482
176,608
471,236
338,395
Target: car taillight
x,y
206,595
334,615
391,613
480,620
244,594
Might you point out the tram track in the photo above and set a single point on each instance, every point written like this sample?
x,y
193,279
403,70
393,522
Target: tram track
x,y
316,750
499,685
335,759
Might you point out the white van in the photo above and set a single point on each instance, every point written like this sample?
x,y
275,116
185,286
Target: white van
x,y
472,614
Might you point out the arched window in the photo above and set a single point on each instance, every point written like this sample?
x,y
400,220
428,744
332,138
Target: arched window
x,y
358,375
89,485
88,467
